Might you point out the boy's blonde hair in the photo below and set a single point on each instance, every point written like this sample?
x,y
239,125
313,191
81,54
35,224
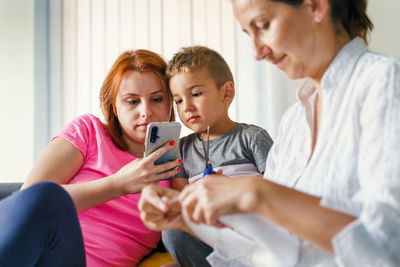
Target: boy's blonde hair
x,y
194,58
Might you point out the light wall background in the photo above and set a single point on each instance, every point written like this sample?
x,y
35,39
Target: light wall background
x,y
24,101
16,88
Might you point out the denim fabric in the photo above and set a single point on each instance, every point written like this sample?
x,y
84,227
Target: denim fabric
x,y
39,227
187,250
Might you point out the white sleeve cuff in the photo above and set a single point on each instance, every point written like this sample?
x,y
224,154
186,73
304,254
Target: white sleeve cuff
x,y
353,246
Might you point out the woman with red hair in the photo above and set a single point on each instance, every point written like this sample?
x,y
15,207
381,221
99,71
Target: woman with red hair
x,y
101,168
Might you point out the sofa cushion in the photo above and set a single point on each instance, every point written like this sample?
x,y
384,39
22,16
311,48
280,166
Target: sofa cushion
x,y
7,189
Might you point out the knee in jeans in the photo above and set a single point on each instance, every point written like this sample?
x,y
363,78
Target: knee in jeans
x,y
187,250
48,194
174,239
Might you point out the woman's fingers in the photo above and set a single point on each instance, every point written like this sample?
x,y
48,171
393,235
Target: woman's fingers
x,y
152,197
187,190
189,199
203,211
171,166
165,170
158,210
165,223
156,177
155,198
131,178
151,215
159,152
204,201
198,212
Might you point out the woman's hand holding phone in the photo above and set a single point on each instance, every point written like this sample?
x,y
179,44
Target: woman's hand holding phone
x,y
131,178
159,133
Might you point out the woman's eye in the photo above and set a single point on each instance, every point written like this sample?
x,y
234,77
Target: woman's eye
x,y
178,101
157,99
133,101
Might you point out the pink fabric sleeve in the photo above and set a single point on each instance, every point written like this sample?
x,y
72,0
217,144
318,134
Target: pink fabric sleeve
x,y
77,132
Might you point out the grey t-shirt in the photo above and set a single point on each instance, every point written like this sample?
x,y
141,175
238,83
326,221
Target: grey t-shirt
x,y
243,144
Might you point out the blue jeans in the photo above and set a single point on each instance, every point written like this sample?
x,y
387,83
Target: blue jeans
x,y
39,227
187,250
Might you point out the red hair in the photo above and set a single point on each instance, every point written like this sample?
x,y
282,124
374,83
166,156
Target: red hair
x,y
136,60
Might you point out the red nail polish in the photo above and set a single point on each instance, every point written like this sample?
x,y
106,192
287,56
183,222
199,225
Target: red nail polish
x,y
180,161
172,143
178,169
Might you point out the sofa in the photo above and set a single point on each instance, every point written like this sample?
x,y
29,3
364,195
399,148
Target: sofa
x,y
7,189
158,258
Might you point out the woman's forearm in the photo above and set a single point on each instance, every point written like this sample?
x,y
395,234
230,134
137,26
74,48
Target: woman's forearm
x,y
300,213
59,163
90,194
185,227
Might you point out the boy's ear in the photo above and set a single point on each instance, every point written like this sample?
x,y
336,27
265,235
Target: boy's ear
x,y
228,91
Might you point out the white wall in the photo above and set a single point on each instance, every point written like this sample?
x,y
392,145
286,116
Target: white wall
x,y
95,33
16,88
385,37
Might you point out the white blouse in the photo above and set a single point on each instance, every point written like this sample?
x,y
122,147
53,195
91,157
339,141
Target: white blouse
x,y
355,166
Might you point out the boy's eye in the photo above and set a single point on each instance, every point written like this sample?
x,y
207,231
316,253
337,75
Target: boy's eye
x,y
265,26
197,94
178,101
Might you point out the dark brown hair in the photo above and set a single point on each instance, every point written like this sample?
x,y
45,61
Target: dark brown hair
x,y
351,14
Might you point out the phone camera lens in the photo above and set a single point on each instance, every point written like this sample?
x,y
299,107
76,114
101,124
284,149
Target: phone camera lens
x,y
153,134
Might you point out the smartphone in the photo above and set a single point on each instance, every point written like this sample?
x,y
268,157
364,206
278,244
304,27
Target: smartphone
x,y
160,133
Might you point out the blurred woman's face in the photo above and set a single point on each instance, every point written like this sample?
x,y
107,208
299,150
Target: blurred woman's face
x,y
282,35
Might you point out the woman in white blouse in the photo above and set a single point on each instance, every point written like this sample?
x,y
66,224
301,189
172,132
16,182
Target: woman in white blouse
x,y
333,173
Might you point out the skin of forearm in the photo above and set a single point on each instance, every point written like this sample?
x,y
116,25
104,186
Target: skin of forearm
x,y
186,228
90,194
300,213
179,183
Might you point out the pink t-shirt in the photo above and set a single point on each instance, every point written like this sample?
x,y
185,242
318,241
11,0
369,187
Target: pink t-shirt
x,y
113,233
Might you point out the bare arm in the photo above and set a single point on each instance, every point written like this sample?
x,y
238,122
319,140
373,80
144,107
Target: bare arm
x,y
300,213
296,211
179,183
61,160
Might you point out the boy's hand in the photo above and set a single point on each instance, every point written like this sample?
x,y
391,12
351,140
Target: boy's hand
x,y
159,208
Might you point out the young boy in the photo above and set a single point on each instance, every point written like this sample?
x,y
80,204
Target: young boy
x,y
202,88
